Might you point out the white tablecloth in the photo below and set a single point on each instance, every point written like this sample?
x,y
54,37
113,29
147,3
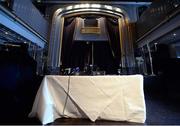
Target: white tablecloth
x,y
118,98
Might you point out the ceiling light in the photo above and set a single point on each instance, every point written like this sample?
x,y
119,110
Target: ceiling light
x,y
96,5
118,10
87,5
69,7
174,34
77,6
108,7
84,5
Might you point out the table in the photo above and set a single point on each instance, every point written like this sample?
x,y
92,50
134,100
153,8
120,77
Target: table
x,y
117,98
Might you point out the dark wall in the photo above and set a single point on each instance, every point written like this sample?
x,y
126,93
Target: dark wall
x,y
163,62
18,82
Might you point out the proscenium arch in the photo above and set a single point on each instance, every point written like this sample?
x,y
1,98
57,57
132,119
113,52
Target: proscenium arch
x,y
55,43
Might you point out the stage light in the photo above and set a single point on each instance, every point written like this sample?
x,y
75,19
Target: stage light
x,y
81,5
85,5
95,5
108,7
69,7
77,6
118,10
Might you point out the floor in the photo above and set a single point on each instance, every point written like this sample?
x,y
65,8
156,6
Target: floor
x,y
162,112
159,112
88,122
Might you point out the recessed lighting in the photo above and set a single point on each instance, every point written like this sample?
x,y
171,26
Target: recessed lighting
x,y
175,5
6,33
174,34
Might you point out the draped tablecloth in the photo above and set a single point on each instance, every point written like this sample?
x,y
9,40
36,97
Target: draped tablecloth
x,y
117,98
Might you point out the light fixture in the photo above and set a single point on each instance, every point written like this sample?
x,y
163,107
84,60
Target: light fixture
x,y
174,34
176,5
95,5
118,10
108,7
38,1
77,6
85,5
69,7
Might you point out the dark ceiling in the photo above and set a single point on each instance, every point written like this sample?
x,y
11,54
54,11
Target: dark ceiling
x,y
103,0
64,1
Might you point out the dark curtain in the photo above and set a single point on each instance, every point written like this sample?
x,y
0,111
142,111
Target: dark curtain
x,y
107,54
68,33
80,54
103,57
114,42
74,53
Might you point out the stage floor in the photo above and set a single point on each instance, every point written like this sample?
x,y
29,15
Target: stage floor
x,y
160,111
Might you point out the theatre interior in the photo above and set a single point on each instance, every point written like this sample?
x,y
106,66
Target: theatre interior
x,y
90,62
